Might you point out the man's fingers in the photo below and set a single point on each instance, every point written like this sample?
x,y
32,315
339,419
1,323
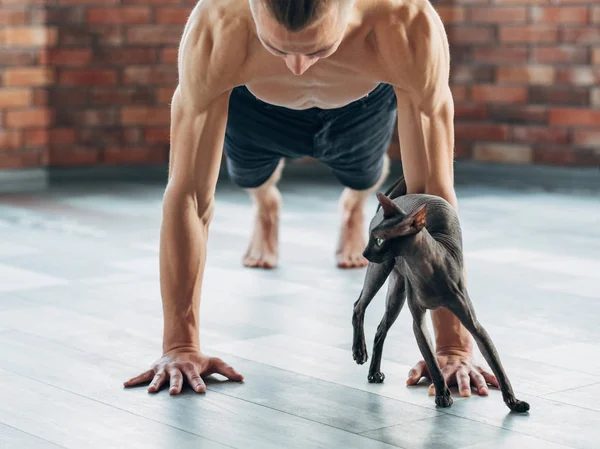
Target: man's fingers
x,y
489,378
479,383
463,381
219,366
194,379
157,382
142,378
176,380
416,372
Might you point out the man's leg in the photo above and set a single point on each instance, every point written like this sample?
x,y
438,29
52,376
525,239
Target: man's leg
x,y
359,136
263,249
259,137
352,205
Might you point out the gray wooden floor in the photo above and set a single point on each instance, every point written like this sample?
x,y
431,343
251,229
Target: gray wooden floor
x,y
80,313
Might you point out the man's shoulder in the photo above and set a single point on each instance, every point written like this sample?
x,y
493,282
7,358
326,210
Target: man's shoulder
x,y
410,38
215,38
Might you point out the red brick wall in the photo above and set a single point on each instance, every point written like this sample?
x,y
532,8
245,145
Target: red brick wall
x,y
89,81
525,77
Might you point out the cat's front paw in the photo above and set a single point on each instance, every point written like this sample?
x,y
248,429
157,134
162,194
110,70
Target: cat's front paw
x,y
376,378
359,352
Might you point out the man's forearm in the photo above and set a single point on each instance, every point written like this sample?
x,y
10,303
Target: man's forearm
x,y
184,234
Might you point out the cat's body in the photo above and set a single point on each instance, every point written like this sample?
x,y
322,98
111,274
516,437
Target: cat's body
x,y
415,240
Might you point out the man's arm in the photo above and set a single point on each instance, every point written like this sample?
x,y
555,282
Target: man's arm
x,y
198,121
426,133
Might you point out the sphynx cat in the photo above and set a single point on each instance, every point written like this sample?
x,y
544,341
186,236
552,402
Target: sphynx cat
x,y
415,240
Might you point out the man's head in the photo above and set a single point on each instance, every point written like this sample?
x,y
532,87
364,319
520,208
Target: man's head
x,y
301,31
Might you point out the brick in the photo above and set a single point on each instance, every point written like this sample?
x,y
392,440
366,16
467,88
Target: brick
x,y
165,95
108,137
560,14
169,55
522,2
560,54
88,77
65,57
22,2
128,155
470,112
40,97
118,15
533,34
145,116
149,75
575,117
28,76
62,97
494,14
461,73
12,17
14,98
533,74
596,56
73,156
58,15
20,159
503,153
499,94
138,95
503,54
553,155
595,96
581,35
469,34
77,37
179,16
154,34
157,135
28,118
587,138
75,117
540,134
567,95
124,56
108,35
153,2
480,131
461,53
43,137
88,2
452,14
518,113
12,57
463,151
580,76
28,36
10,139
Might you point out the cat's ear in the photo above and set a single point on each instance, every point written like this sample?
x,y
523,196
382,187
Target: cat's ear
x,y
390,208
411,224
417,218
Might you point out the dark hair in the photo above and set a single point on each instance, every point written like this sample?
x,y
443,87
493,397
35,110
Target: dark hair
x,y
296,15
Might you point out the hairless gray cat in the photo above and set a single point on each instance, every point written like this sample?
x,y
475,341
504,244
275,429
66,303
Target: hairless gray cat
x,y
416,241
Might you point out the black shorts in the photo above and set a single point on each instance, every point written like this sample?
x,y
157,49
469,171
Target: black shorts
x,y
352,140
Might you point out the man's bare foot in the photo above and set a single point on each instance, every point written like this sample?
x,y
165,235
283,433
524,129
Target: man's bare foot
x,y
263,249
352,240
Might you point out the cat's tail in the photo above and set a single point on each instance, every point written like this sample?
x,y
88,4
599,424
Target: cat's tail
x,y
395,190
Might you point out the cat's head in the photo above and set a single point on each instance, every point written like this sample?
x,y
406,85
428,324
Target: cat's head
x,y
394,232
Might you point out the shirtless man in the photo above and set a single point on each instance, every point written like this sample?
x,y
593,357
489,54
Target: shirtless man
x,y
264,79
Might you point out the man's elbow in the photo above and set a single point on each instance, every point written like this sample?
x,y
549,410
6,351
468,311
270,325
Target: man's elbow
x,y
181,201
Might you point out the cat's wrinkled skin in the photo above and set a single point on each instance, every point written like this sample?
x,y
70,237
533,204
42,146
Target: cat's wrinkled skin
x,y
415,240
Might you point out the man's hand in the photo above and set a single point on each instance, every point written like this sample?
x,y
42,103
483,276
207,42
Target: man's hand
x,y
458,369
176,364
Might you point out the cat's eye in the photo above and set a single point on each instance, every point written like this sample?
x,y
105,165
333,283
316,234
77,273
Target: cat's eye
x,y
379,242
